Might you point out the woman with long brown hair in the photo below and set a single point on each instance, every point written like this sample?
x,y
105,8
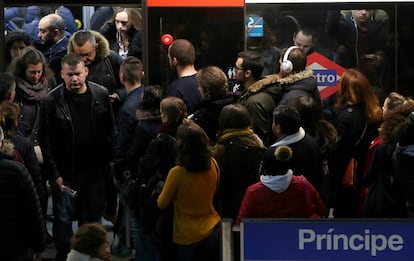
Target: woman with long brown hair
x,y
356,117
191,186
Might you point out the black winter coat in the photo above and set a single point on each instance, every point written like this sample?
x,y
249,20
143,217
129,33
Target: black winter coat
x,y
21,221
109,31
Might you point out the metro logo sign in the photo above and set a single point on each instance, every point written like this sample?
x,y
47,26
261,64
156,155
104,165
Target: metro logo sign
x,y
326,72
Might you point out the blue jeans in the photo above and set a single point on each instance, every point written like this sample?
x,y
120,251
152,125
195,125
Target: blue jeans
x,y
145,250
204,250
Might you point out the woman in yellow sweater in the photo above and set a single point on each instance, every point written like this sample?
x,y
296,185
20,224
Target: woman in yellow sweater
x,y
191,186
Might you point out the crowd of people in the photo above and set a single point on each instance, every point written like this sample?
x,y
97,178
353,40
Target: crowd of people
x,y
166,163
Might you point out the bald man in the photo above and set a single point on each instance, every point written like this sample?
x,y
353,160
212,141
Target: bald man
x,y
52,36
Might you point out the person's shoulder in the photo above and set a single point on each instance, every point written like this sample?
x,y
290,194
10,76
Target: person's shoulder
x,y
54,93
115,58
185,80
13,167
108,30
97,88
258,186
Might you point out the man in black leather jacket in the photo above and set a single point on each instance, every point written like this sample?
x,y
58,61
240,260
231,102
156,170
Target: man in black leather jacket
x,y
76,130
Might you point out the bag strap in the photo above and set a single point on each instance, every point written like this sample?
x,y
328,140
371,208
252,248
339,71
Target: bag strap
x,y
362,135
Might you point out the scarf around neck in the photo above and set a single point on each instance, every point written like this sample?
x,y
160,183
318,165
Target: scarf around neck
x,y
230,133
289,139
34,91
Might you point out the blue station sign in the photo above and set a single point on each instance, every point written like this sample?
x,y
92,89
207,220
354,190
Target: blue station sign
x,y
330,240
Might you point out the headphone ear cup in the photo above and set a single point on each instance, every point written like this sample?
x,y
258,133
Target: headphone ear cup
x,y
287,66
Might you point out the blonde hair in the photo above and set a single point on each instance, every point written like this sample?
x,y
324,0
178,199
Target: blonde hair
x,y
174,108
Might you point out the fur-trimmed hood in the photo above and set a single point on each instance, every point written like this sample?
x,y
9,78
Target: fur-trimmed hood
x,y
301,83
293,78
103,45
7,149
271,79
275,79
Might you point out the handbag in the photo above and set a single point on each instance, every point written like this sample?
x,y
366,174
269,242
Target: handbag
x,y
349,177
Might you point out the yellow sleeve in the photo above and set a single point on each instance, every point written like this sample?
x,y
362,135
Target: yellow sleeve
x,y
170,188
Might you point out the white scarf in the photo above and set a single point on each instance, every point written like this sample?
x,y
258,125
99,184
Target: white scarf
x,y
289,139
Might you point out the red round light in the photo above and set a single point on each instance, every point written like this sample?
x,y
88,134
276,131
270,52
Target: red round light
x,y
167,39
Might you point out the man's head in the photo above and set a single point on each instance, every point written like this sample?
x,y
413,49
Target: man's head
x,y
84,43
51,29
286,120
362,17
305,39
131,71
7,86
181,53
249,67
74,73
292,60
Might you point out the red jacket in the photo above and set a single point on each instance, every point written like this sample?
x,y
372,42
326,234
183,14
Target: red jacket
x,y
262,202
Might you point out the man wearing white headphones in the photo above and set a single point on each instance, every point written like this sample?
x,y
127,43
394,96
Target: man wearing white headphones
x,y
260,96
296,79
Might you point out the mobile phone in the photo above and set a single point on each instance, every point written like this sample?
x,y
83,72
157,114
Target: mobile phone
x,y
73,193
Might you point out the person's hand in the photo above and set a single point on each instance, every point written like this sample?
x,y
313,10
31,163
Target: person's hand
x,y
114,97
59,183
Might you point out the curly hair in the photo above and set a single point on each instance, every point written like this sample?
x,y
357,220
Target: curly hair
x,y
89,238
396,109
9,118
